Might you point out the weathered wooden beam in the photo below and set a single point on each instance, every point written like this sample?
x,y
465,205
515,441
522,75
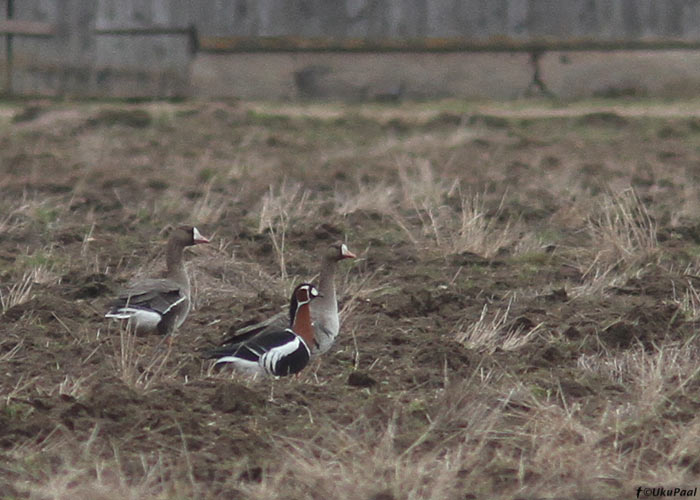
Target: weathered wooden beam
x,y
26,28
189,31
495,44
145,30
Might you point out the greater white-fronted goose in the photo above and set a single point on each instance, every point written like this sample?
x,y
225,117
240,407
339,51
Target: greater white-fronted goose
x,y
324,310
275,351
160,304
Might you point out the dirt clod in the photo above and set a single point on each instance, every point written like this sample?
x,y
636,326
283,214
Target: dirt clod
x,y
230,397
360,379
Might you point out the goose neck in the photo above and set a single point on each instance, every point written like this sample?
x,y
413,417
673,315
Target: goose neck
x,y
174,262
302,324
326,281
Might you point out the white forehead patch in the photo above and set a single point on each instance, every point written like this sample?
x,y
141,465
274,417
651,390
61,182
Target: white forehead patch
x,y
196,235
343,249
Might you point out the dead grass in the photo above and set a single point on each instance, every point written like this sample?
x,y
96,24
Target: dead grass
x,y
478,231
493,256
497,332
469,230
422,205
278,208
139,365
366,459
17,293
622,242
623,232
81,476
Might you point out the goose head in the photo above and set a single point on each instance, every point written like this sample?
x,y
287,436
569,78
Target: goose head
x,y
187,236
339,251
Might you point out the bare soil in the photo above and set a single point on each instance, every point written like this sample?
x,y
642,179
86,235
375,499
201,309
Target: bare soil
x,y
88,188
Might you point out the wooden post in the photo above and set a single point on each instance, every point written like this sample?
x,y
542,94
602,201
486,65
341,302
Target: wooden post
x,y
10,27
8,54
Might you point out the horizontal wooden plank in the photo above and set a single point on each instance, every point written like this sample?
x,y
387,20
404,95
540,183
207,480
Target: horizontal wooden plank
x,y
26,28
188,31
145,30
495,44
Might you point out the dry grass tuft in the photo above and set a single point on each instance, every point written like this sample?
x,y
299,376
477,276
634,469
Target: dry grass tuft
x,y
418,205
479,231
19,292
210,208
140,367
88,471
688,299
623,233
279,207
498,332
621,243
652,376
379,198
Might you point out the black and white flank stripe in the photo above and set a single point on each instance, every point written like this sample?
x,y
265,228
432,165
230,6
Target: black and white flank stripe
x,y
273,351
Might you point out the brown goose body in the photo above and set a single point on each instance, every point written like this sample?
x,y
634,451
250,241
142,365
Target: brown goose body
x,y
160,304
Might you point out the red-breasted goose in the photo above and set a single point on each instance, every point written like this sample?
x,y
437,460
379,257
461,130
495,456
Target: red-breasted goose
x,y
324,310
160,304
275,351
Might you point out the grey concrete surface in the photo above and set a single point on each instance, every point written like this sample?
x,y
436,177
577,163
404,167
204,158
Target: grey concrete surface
x,y
361,76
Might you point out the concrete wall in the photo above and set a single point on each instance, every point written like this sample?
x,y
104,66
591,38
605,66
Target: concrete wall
x,y
81,60
608,74
361,76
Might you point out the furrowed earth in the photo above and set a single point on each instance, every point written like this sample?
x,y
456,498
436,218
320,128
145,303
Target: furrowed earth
x,y
521,320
